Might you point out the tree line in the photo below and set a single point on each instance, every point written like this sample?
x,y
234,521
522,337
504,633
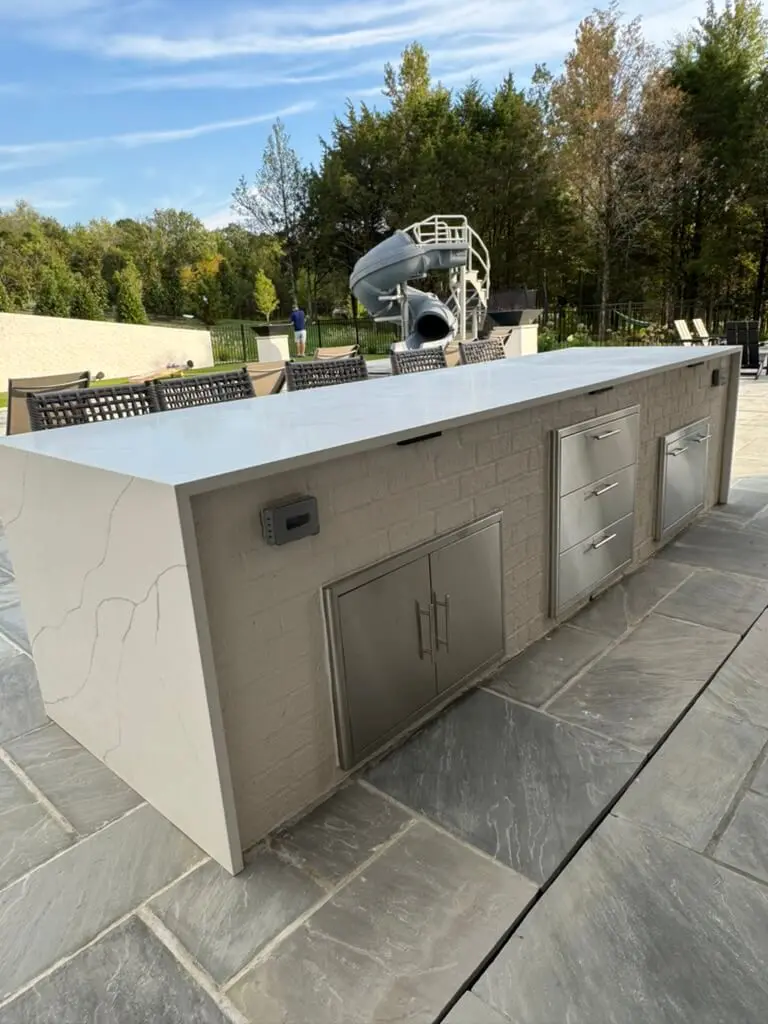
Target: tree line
x,y
635,174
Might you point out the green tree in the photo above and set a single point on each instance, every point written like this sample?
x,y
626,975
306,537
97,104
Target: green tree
x,y
129,303
597,111
5,299
87,300
52,297
718,68
275,204
202,287
264,295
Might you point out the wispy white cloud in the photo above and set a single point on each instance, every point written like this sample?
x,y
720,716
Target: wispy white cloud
x,y
28,154
50,195
231,80
340,28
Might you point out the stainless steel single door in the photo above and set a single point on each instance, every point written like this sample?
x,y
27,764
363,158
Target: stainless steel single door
x,y
685,478
389,674
467,598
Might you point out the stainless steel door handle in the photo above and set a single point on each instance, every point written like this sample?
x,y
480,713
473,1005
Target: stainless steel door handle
x,y
604,490
446,606
602,437
420,613
607,540
701,440
679,452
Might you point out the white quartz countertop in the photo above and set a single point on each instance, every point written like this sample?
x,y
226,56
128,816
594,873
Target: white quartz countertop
x,y
212,446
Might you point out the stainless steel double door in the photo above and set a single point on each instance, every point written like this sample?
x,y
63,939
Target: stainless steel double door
x,y
412,634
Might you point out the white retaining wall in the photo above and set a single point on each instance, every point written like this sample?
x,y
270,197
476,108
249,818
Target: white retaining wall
x,y
35,346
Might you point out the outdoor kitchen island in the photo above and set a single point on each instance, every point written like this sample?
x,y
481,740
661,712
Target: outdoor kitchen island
x,y
234,606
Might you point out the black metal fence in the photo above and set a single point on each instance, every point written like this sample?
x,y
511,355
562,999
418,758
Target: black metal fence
x,y
627,323
236,342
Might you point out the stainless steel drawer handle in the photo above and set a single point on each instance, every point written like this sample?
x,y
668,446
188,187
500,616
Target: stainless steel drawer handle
x,y
701,440
679,452
602,437
446,606
607,540
604,490
424,652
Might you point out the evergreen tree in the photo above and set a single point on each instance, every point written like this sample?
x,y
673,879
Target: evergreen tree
x,y
87,303
129,302
5,299
52,299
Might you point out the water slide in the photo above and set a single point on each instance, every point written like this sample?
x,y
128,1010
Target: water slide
x,y
379,279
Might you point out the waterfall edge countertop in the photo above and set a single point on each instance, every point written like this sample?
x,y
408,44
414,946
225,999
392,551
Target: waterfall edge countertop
x,y
203,448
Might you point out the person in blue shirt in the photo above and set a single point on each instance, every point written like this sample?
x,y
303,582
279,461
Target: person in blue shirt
x,y
299,322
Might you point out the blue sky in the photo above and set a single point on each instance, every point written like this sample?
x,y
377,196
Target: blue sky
x,y
110,108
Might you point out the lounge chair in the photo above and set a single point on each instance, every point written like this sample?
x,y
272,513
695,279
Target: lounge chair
x,y
339,352
267,378
684,332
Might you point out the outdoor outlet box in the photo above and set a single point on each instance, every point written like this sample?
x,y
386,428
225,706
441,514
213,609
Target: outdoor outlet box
x,y
290,519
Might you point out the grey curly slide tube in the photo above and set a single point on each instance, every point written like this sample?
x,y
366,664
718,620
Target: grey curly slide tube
x,y
376,277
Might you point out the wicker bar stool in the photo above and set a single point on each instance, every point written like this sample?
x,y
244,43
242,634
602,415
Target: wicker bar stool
x,y
323,373
417,360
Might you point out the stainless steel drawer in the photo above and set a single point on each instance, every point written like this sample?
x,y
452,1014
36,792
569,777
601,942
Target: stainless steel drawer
x,y
603,447
683,477
587,564
590,509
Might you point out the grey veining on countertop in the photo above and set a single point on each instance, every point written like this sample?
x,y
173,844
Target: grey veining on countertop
x,y
211,446
508,779
637,929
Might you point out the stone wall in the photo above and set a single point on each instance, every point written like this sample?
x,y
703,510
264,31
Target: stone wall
x,y
35,346
264,603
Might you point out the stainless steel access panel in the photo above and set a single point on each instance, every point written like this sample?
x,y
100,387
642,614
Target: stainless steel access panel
x,y
683,475
408,631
